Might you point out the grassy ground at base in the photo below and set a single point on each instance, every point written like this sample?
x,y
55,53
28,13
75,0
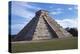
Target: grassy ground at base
x,y
57,44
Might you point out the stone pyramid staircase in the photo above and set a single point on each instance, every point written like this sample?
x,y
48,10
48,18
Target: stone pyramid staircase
x,y
41,27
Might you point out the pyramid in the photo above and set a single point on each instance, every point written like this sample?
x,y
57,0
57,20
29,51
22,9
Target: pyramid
x,y
42,27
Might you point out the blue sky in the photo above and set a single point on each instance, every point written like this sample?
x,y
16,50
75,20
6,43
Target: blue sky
x,y
23,12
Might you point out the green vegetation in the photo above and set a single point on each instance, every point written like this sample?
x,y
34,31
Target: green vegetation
x,y
55,44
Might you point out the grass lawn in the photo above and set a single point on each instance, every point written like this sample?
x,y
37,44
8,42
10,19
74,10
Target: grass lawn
x,y
55,44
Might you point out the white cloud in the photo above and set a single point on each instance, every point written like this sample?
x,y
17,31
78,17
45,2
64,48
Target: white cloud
x,y
51,7
59,9
38,8
70,8
33,7
26,4
68,22
20,11
56,12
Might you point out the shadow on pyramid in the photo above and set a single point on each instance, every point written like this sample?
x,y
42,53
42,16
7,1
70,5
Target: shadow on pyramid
x,y
41,27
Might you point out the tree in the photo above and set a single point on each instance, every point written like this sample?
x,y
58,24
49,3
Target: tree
x,y
73,31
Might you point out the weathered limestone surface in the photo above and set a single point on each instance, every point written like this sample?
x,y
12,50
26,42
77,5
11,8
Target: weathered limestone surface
x,y
41,27
41,31
61,33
